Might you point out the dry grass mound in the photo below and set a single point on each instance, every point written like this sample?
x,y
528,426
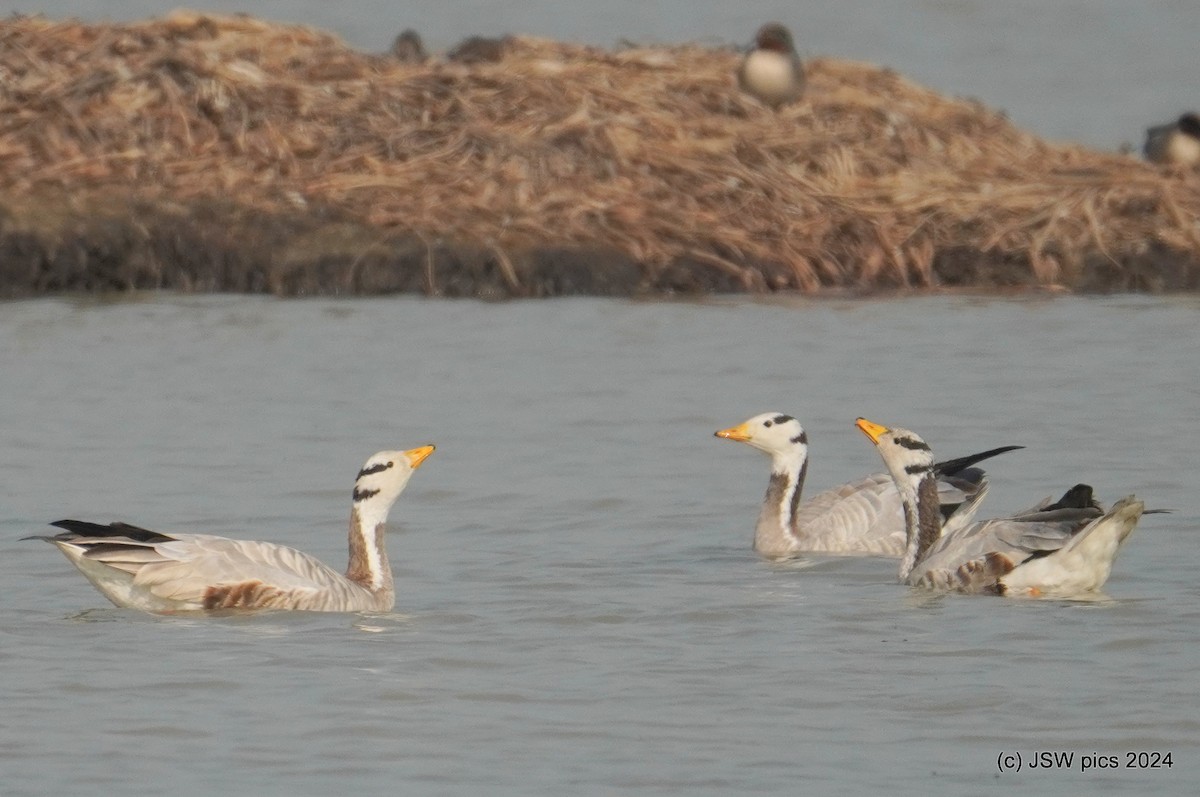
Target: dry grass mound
x,y
227,153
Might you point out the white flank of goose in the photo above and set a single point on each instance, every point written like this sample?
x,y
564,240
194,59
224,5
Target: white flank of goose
x,y
1059,549
863,517
141,569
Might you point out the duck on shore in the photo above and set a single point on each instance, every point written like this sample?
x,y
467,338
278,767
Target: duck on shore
x,y
407,48
772,71
1174,144
480,50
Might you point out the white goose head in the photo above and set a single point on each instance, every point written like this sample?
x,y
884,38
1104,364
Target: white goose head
x,y
780,436
907,457
384,476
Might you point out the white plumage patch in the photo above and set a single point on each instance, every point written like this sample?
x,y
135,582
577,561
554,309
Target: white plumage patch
x,y
769,74
1183,149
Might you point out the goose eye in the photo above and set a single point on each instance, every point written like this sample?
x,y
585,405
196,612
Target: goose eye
x,y
391,464
767,424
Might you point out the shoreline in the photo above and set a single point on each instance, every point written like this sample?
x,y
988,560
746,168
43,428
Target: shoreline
x,y
199,153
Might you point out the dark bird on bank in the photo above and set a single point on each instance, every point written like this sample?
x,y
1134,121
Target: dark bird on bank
x,y
479,50
408,48
1175,144
772,70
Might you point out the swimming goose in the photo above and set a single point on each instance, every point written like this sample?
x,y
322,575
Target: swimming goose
x,y
1059,549
142,569
1177,143
862,517
772,70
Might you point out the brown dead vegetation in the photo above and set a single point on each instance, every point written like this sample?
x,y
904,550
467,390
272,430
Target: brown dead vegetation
x,y
231,154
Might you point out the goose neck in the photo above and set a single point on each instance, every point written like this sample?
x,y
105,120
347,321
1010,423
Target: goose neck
x,y
922,521
783,493
368,566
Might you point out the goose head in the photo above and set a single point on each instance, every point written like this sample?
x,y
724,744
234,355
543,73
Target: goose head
x,y
384,476
906,456
779,436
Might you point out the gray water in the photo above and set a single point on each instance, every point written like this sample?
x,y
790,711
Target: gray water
x,y
1094,71
578,608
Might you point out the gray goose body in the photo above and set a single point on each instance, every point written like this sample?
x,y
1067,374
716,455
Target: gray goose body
x,y
138,568
863,517
1060,549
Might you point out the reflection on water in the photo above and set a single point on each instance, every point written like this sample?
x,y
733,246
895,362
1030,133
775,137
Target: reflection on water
x,y
578,605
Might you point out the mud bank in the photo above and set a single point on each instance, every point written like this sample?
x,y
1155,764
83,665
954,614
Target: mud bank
x,y
200,153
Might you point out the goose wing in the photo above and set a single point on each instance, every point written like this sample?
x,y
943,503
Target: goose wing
x,y
872,510
863,514
962,487
217,570
973,558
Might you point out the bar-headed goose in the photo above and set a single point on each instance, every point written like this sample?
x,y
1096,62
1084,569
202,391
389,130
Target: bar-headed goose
x,y
1059,549
137,568
863,517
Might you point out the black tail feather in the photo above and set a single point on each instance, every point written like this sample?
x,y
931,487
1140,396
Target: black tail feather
x,y
84,528
952,466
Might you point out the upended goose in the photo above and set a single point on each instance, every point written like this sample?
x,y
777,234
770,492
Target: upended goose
x,y
141,569
863,517
1060,549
